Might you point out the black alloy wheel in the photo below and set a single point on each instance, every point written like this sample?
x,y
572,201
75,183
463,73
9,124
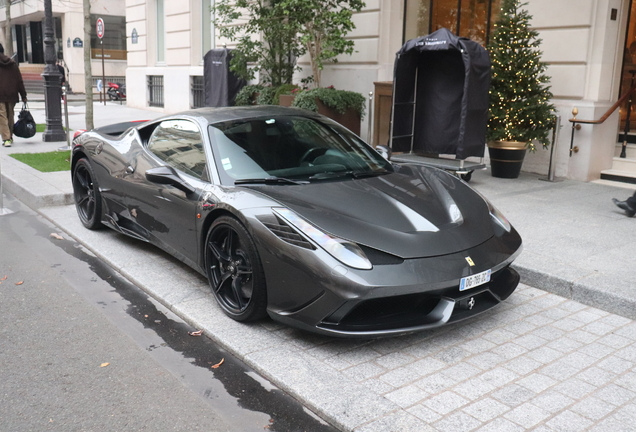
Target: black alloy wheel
x,y
88,200
234,270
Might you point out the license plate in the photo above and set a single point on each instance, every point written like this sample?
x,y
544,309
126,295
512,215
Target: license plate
x,y
474,280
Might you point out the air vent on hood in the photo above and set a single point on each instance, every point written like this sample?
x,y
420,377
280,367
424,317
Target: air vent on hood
x,y
380,258
286,233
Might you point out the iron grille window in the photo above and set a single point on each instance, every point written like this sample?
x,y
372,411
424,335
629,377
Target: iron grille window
x,y
197,90
155,90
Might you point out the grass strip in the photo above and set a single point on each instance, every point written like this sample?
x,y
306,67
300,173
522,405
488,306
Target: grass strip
x,y
46,162
41,127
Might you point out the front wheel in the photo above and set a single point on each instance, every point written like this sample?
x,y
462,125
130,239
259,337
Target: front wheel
x,y
234,270
88,201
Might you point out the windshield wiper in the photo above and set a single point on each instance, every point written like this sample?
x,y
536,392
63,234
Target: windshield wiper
x,y
354,174
269,181
362,174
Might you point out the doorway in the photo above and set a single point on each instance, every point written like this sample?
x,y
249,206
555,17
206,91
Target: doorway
x,y
629,69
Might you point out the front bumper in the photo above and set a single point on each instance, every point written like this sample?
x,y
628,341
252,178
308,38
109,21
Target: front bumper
x,y
309,290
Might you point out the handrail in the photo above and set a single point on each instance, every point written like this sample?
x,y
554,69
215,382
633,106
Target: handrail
x,y
609,112
576,123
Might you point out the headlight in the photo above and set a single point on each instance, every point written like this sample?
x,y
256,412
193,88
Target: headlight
x,y
498,217
344,251
495,214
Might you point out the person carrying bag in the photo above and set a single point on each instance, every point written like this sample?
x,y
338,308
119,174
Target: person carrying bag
x,y
11,85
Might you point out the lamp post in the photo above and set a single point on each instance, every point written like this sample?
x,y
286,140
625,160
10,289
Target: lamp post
x,y
52,89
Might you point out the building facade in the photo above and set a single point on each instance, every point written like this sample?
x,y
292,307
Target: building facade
x,y
587,44
27,22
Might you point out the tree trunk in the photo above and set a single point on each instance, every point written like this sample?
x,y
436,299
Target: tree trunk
x,y
8,36
88,71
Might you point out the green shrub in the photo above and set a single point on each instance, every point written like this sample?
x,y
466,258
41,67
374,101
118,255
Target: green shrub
x,y
340,100
266,96
285,89
244,96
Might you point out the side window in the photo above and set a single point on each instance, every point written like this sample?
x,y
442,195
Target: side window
x,y
179,144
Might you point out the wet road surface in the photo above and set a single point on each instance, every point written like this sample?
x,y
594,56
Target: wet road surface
x,y
81,347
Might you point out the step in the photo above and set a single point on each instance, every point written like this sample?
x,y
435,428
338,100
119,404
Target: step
x,y
32,76
619,176
624,164
630,150
31,68
34,87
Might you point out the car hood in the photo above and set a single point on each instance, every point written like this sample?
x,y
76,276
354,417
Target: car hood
x,y
413,213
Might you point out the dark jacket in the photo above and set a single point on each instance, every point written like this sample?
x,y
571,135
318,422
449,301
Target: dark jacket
x,y
11,83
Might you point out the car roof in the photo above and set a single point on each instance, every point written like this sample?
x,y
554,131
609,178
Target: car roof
x,y
215,115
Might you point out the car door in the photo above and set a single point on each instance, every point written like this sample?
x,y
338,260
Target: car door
x,y
166,213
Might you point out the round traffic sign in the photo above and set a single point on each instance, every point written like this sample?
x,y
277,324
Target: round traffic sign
x,y
99,26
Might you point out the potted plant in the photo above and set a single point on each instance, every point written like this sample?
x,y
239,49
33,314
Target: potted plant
x,y
345,107
520,111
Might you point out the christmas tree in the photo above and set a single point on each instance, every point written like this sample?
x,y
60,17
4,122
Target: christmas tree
x,y
520,108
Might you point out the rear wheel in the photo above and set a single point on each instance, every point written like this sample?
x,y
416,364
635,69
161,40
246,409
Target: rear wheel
x,y
88,201
234,270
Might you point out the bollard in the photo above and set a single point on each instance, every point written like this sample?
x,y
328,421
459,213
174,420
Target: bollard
x,y
555,135
68,131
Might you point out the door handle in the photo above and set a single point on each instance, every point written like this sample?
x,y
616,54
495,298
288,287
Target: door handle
x,y
129,169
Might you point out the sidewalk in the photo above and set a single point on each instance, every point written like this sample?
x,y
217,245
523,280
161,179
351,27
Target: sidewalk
x,y
577,245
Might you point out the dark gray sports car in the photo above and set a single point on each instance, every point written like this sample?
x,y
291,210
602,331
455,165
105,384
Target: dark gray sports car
x,y
290,215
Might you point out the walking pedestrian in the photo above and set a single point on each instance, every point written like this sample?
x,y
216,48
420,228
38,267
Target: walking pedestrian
x,y
629,205
11,86
60,69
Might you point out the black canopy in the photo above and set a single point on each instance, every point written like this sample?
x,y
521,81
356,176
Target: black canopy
x,y
440,91
221,85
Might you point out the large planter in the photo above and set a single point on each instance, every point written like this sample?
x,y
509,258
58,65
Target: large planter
x,y
350,119
286,100
506,158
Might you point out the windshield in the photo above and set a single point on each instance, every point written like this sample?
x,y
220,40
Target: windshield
x,y
290,147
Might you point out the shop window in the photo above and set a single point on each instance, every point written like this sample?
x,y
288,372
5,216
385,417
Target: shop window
x,y
473,19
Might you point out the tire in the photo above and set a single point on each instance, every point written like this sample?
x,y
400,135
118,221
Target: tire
x,y
88,200
112,96
466,177
234,270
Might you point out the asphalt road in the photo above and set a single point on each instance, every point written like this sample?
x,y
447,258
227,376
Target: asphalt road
x,y
81,349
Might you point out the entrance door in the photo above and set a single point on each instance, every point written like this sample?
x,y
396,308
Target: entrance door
x,y
37,42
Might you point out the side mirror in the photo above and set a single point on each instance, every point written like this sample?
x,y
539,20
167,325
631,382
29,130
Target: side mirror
x,y
167,175
384,151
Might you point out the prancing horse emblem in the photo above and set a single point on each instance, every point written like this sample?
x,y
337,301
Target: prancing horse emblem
x,y
471,303
470,261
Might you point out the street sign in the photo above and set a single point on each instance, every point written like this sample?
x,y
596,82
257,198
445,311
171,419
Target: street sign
x,y
99,26
99,86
